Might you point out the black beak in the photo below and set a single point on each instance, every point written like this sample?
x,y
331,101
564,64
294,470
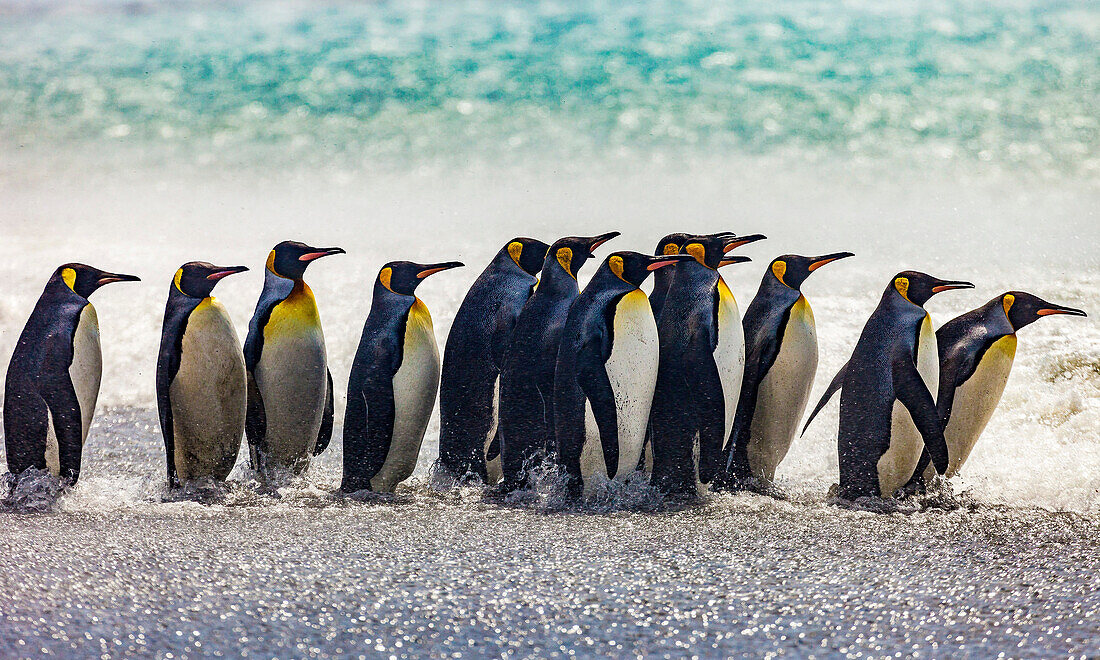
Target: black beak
x,y
109,278
950,285
317,253
1051,309
818,262
738,241
733,259
659,262
431,269
597,241
222,273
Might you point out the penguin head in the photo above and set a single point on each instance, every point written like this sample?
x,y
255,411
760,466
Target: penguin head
x,y
84,279
573,251
1024,308
197,278
918,287
402,277
711,249
528,253
793,269
671,244
290,258
634,267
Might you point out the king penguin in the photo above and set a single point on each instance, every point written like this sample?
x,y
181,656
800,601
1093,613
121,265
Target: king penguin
x,y
780,363
976,353
468,447
393,383
662,279
54,375
606,372
527,375
290,406
702,358
200,378
887,413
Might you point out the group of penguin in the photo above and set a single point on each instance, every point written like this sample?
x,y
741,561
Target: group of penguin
x,y
599,384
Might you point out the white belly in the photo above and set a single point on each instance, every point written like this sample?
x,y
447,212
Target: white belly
x,y
896,466
87,367
632,370
974,403
729,354
414,390
208,396
493,468
783,393
292,379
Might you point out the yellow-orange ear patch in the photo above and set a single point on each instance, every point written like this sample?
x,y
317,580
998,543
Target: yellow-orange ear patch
x,y
671,248
384,277
779,269
271,261
565,258
68,276
902,285
515,250
1007,302
615,263
177,278
696,250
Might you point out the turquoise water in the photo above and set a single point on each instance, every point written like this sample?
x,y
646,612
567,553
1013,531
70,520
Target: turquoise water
x,y
1015,84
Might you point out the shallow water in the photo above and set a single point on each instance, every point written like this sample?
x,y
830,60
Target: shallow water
x,y
957,138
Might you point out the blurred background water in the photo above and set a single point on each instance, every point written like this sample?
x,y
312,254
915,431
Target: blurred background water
x,y
960,138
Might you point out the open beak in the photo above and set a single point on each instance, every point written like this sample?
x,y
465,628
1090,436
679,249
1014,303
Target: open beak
x,y
1058,309
320,252
818,262
222,273
431,269
951,285
738,241
108,278
597,241
733,259
660,262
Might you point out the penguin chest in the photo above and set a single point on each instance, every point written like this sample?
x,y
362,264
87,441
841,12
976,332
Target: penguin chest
x,y
783,392
632,371
208,395
292,378
897,465
414,390
85,373
976,399
729,354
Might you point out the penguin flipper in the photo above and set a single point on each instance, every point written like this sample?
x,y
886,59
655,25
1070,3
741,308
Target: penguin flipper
x,y
324,436
834,387
760,358
255,422
67,423
914,395
177,312
597,388
378,434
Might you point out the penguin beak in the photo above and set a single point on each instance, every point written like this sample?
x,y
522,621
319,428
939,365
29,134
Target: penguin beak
x,y
818,262
109,278
1051,309
320,252
432,269
660,262
742,240
951,285
597,241
733,259
222,273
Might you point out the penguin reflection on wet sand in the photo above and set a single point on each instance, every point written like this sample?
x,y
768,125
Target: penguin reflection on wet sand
x,y
54,375
200,378
290,405
479,335
780,363
702,358
527,377
976,351
393,383
887,413
606,371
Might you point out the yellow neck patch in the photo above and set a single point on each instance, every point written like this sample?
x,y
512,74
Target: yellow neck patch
x,y
384,277
68,276
615,263
696,250
779,269
565,258
515,250
902,285
297,313
671,248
